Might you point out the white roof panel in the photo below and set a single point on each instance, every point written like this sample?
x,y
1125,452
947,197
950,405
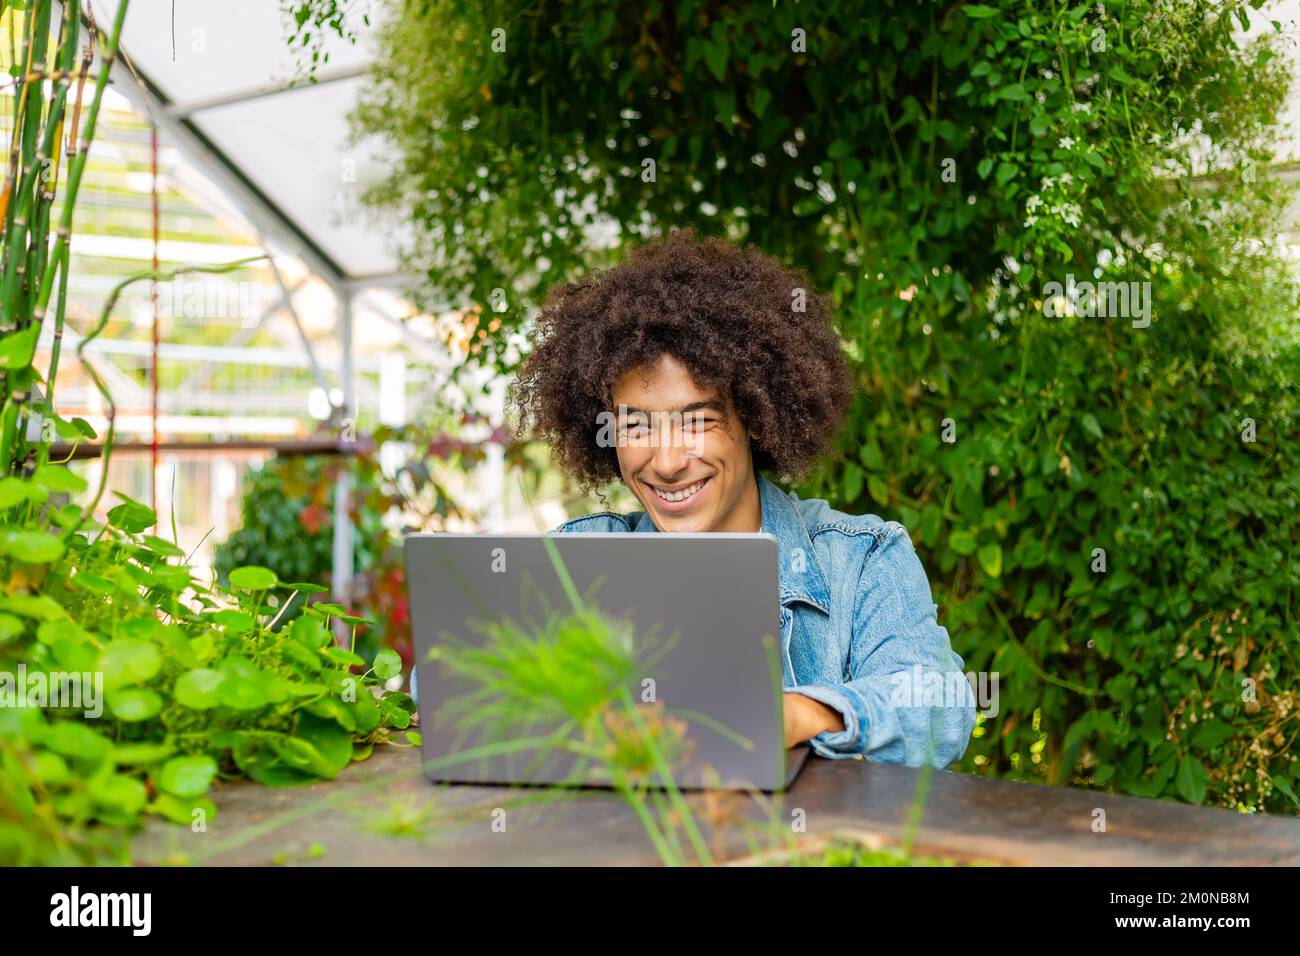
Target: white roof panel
x,y
225,72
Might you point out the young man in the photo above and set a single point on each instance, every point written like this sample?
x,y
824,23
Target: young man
x,y
685,372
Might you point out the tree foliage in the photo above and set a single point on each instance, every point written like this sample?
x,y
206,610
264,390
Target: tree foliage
x,y
1106,503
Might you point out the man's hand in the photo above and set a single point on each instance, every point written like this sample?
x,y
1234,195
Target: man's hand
x,y
805,718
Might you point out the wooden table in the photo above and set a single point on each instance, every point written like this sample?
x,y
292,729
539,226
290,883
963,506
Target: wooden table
x,y
383,812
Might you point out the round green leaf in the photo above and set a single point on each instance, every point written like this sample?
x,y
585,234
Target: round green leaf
x,y
128,662
241,693
134,703
253,578
75,739
32,547
236,622
332,742
136,755
124,795
59,478
388,663
15,490
10,626
187,776
197,689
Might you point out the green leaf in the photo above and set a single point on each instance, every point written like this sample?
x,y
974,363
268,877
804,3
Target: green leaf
x,y
715,55
59,478
393,713
979,11
343,657
51,631
74,739
124,795
332,742
851,482
241,693
234,622
244,686
334,709
990,559
307,588
132,517
181,811
253,578
31,547
10,626
197,688
1191,780
962,542
128,662
388,663
1090,425
39,606
93,582
1211,734
187,776
1285,788
133,704
135,755
14,491
162,546
17,349
724,101
310,632
879,489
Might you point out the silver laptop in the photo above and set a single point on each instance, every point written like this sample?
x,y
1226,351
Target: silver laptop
x,y
704,615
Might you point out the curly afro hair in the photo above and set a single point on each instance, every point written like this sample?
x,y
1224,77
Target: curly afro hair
x,y
727,313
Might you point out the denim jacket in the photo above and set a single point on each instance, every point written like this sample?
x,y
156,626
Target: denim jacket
x,y
858,630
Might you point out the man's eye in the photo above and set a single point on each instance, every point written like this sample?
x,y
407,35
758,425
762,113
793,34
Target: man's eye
x,y
634,429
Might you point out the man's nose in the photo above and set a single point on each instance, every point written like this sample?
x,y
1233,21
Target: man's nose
x,y
669,457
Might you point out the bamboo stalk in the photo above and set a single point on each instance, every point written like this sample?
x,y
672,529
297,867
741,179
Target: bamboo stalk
x,y
16,261
9,292
70,150
78,164
36,196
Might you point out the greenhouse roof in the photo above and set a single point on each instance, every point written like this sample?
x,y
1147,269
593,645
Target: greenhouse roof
x,y
221,82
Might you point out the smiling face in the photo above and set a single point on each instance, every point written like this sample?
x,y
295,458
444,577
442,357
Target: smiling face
x,y
684,452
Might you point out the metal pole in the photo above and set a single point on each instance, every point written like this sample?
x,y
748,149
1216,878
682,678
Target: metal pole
x,y
155,221
341,579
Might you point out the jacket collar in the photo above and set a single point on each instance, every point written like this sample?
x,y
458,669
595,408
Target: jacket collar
x,y
798,573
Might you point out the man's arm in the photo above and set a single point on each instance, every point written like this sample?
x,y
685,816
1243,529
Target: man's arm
x,y
907,700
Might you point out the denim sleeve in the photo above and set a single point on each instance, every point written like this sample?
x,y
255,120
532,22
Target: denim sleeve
x,y
907,700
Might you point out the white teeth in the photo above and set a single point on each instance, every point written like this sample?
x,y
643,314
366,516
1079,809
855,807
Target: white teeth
x,y
679,495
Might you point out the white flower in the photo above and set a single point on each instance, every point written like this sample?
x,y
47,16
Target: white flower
x,y
1066,179
1065,142
1030,220
1032,203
